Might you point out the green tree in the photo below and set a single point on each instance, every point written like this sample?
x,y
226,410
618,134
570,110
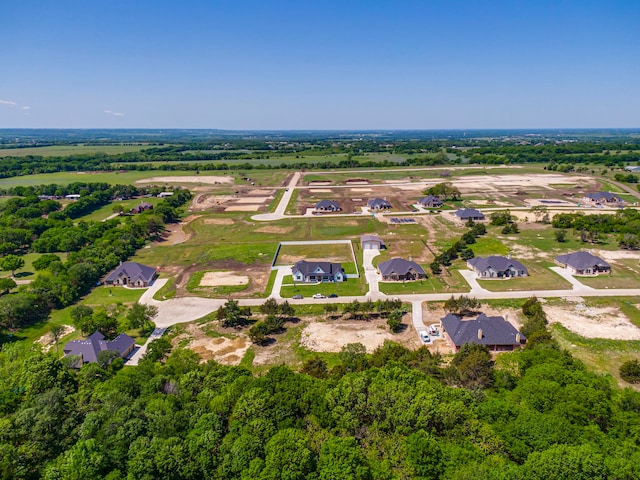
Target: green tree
x,y
561,236
11,263
158,349
6,284
474,366
354,357
287,456
342,459
140,316
395,320
630,371
56,332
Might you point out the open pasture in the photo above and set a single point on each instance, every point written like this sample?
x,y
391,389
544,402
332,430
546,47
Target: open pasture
x,y
68,150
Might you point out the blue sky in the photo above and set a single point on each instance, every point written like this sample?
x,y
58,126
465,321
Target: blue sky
x,y
319,64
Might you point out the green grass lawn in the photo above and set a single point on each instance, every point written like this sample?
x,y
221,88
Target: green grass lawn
x,y
540,278
434,284
487,245
104,212
334,252
28,272
353,286
624,274
107,295
67,150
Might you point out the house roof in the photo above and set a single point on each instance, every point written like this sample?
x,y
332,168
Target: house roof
x,y
378,203
496,262
581,260
308,268
371,238
133,271
495,330
328,204
607,196
90,348
399,266
429,199
466,213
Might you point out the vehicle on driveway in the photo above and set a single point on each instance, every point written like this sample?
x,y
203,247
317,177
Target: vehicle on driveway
x,y
318,295
333,295
297,297
424,337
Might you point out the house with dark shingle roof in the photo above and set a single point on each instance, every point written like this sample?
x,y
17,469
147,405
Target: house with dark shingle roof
x,y
494,332
399,269
583,263
133,274
312,272
327,206
369,242
600,198
497,266
430,201
88,350
378,204
143,206
469,214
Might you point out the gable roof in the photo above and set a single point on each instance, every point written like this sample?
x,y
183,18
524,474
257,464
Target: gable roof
x,y
466,213
430,199
495,330
399,266
90,348
308,268
496,262
581,260
133,271
371,238
378,203
328,204
607,196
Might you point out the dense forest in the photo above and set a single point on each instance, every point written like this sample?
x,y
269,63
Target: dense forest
x,y
394,414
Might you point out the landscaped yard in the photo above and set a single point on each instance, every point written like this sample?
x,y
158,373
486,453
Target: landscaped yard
x,y
330,252
434,284
624,274
104,212
28,272
352,286
540,278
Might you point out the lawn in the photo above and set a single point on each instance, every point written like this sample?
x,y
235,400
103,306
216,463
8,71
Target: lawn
x,y
434,284
331,252
104,212
107,295
28,272
193,286
624,274
353,286
540,278
68,150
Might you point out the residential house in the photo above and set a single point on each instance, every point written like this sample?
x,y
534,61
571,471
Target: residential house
x,y
89,349
583,263
133,274
378,204
494,332
371,242
497,266
399,269
164,194
313,272
632,168
430,201
143,206
327,206
72,196
602,198
466,214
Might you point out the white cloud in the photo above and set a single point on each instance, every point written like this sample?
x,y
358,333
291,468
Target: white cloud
x,y
115,114
26,107
8,103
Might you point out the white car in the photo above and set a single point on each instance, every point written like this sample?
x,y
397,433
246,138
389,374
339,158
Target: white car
x,y
318,295
424,336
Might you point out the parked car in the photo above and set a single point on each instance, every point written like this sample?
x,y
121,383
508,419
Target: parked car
x,y
424,336
333,295
298,297
318,295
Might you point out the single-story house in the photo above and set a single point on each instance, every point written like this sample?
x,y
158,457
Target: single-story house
x,y
378,204
399,269
313,272
599,198
430,201
327,206
494,332
164,194
497,266
133,274
142,207
371,242
72,196
469,214
583,263
89,349
632,168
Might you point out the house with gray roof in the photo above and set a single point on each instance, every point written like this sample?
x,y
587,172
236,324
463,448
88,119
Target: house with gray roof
x,y
371,242
496,266
583,263
494,332
602,198
327,206
132,274
88,350
313,272
141,207
465,214
430,201
378,204
399,269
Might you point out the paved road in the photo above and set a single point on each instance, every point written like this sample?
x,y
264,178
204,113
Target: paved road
x,y
284,202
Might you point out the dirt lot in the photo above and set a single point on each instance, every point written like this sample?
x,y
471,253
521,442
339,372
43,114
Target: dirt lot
x,y
174,232
332,335
47,340
228,351
216,279
208,179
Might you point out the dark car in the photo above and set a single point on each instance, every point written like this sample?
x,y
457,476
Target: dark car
x,y
333,295
297,297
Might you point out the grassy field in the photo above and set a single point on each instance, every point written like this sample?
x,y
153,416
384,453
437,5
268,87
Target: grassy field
x,y
624,274
540,278
104,212
68,150
193,286
332,252
434,284
353,286
28,272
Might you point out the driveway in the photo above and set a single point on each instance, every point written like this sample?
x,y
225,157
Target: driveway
x,y
471,278
577,286
370,273
277,284
284,202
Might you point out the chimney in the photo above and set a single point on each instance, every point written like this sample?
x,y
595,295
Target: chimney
x,y
479,334
518,337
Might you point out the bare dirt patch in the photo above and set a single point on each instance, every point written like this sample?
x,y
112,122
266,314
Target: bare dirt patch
x,y
252,200
228,351
616,254
361,189
47,340
216,279
320,183
273,229
209,179
321,190
174,233
206,201
218,221
243,208
594,322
